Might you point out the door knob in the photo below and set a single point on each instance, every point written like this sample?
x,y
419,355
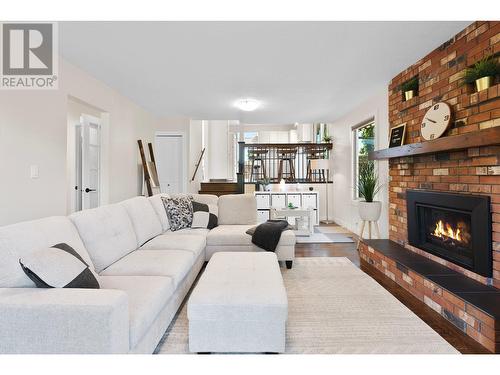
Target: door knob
x,y
87,190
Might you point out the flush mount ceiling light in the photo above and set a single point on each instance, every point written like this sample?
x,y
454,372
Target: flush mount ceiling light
x,y
247,105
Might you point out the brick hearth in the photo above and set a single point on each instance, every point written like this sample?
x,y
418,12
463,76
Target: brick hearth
x,y
472,307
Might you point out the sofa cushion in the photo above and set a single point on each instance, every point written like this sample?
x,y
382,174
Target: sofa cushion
x,y
192,231
179,212
59,266
107,232
159,208
147,295
19,240
206,198
144,219
237,209
173,241
230,235
172,263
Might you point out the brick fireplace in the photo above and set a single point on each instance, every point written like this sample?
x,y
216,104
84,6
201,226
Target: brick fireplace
x,y
469,171
457,170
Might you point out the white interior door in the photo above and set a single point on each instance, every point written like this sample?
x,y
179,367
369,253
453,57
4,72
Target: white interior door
x,y
90,161
170,162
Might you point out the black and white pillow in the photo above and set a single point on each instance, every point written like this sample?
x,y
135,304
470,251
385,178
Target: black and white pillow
x,y
204,215
59,266
179,211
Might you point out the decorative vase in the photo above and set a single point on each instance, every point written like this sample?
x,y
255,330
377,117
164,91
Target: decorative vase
x,y
409,94
370,211
484,83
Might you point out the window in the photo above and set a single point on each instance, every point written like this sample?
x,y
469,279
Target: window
x,y
364,142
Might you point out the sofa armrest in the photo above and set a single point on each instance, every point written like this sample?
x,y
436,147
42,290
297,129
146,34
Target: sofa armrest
x,y
63,321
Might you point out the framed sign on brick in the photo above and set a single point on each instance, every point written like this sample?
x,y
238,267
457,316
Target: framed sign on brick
x,y
397,136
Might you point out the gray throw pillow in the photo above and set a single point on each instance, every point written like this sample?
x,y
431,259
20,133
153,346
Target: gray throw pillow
x,y
204,215
59,266
179,211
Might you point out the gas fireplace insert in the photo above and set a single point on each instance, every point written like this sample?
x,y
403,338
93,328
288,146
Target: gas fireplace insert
x,y
455,227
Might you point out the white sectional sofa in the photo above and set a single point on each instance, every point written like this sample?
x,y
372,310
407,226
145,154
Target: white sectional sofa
x,y
144,270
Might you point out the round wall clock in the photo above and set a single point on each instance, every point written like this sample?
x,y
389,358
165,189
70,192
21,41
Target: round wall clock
x,y
436,121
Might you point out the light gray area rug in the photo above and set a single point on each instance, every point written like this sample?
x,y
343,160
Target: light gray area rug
x,y
335,308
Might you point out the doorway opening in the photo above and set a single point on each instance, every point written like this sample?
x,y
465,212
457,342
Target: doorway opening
x,y
86,153
87,163
171,162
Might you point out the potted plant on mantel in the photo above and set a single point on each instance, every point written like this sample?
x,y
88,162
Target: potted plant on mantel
x,y
483,73
410,88
368,187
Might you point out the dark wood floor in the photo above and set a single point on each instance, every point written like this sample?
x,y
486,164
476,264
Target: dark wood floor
x,y
448,331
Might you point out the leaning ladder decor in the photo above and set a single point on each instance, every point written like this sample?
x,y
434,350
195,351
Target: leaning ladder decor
x,y
147,177
198,164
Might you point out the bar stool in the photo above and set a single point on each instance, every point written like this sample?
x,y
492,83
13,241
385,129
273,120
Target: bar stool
x,y
286,155
259,170
315,154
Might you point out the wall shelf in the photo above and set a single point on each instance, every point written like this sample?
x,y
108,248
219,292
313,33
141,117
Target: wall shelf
x,y
485,137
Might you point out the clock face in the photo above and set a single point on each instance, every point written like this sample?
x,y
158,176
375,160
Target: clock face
x,y
435,121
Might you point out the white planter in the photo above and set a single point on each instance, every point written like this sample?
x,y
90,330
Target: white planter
x,y
370,211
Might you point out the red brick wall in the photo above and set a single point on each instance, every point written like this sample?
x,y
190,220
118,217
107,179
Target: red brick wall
x,y
471,171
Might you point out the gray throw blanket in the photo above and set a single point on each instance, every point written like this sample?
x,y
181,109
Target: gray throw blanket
x,y
268,234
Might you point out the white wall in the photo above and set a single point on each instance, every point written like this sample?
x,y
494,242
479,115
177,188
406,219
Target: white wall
x,y
33,131
343,206
218,158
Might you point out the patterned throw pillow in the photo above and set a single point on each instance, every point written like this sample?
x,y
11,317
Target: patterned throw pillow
x,y
179,211
59,266
204,215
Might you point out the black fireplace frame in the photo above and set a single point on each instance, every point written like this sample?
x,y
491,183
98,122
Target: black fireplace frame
x,y
479,208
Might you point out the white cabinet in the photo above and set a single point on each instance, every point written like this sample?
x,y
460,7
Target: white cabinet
x,y
263,201
279,199
310,200
262,216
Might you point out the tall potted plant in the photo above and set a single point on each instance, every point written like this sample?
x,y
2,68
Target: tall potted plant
x,y
483,73
368,187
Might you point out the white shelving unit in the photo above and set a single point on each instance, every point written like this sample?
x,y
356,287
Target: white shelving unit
x,y
281,199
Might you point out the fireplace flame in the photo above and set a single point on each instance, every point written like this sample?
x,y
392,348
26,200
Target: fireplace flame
x,y
443,230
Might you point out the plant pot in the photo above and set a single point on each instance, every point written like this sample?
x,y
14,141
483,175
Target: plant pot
x,y
484,83
409,94
370,211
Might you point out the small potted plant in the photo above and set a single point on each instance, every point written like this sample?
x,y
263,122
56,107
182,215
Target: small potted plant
x,y
483,73
265,183
368,187
326,137
410,88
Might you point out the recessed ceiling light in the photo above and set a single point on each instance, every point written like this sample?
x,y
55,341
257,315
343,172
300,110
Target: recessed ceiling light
x,y
247,105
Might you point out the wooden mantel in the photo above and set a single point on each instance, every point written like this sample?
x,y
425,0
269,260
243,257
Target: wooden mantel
x,y
486,137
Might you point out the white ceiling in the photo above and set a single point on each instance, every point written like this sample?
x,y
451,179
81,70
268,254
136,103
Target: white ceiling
x,y
301,71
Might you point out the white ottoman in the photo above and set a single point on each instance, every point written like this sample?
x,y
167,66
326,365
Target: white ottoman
x,y
239,305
